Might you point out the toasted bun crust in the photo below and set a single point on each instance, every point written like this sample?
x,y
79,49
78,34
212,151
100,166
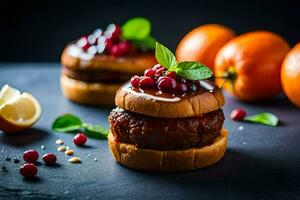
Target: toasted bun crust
x,y
88,93
188,106
135,63
168,161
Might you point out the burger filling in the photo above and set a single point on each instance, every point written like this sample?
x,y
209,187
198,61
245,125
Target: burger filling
x,y
165,133
96,76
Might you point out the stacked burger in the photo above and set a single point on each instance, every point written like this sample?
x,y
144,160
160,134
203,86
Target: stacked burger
x,y
170,119
96,65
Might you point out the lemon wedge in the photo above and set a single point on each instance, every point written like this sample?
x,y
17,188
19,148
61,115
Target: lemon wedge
x,y
18,111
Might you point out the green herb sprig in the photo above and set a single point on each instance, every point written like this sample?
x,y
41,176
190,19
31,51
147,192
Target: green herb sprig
x,y
69,123
189,70
263,118
138,30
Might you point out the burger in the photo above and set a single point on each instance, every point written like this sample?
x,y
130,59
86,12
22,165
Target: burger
x,y
97,64
170,119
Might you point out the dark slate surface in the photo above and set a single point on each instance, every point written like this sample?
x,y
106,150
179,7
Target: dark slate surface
x,y
261,162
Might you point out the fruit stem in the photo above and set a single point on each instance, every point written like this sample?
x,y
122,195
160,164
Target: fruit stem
x,y
229,75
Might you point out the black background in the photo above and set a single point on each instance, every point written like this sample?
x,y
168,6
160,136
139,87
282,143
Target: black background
x,y
38,30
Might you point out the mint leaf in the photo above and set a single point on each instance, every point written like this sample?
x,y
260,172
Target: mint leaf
x,y
164,56
95,131
66,123
263,118
192,70
136,28
146,43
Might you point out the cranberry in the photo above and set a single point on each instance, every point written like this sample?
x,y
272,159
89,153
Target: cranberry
x,y
28,170
49,159
125,47
80,139
180,88
113,31
147,82
171,74
108,43
115,50
31,156
134,81
149,73
166,84
159,72
157,66
238,114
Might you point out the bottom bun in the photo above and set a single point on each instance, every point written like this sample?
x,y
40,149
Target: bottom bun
x,y
88,93
168,161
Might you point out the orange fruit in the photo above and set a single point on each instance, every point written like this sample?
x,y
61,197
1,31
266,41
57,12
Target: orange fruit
x,y
251,64
290,75
17,111
203,43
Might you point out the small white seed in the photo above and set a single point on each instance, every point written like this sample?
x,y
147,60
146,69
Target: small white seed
x,y
75,160
61,148
59,141
69,152
67,147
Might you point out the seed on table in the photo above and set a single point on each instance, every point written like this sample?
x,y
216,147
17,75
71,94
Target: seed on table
x,y
59,141
67,147
61,148
43,147
16,160
7,159
75,160
69,152
95,159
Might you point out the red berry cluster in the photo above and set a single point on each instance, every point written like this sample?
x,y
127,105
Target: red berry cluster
x,y
158,77
107,41
29,169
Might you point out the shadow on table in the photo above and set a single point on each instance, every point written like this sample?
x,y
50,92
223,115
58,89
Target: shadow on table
x,y
237,173
24,138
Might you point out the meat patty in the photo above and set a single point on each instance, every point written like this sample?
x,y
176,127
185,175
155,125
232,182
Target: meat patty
x,y
96,76
165,133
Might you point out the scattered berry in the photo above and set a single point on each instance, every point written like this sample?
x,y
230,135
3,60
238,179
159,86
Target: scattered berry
x,y
114,50
125,47
238,114
166,84
31,156
147,82
159,72
180,88
171,74
49,159
134,81
108,43
149,73
157,66
80,139
28,170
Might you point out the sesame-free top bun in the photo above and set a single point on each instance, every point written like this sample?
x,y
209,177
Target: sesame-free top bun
x,y
74,58
168,161
188,106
